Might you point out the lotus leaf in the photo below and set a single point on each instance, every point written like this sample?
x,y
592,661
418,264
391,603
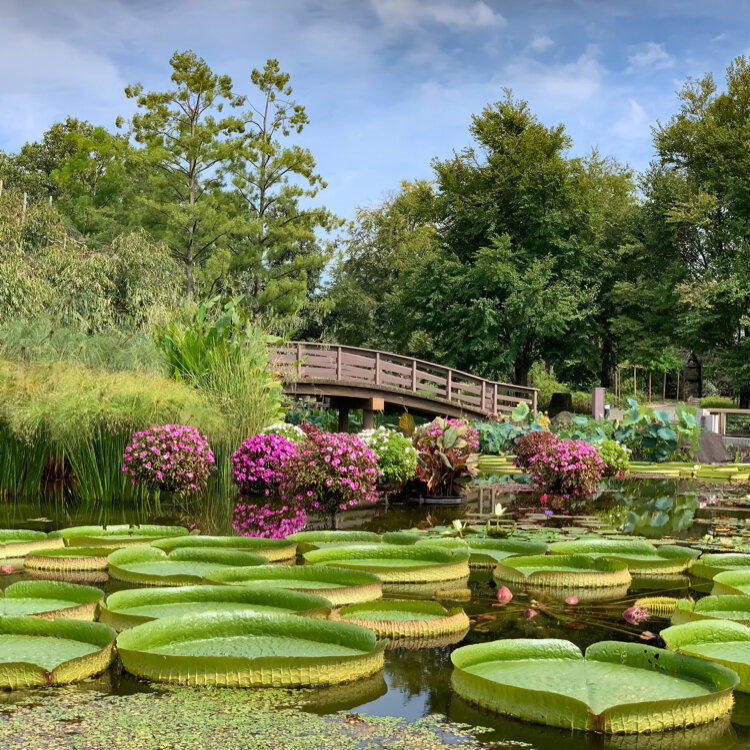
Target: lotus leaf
x,y
406,619
642,557
397,563
34,651
721,641
402,537
271,549
337,585
707,566
154,567
310,540
19,542
50,599
115,537
241,649
125,609
68,559
486,553
564,571
735,607
616,688
732,582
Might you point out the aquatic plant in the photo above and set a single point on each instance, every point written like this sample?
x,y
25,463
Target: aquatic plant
x,y
397,457
272,549
257,464
566,467
50,600
173,458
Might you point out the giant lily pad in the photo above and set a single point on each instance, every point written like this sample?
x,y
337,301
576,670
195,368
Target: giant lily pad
x,y
707,566
34,651
642,557
19,542
735,607
616,688
724,642
732,582
396,562
150,566
240,649
66,559
310,540
50,599
406,619
271,549
564,571
337,585
125,609
118,536
486,553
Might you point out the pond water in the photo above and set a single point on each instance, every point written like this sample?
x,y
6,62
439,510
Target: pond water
x,y
416,682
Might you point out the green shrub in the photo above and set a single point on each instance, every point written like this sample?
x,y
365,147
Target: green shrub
x,y
581,402
616,457
717,402
546,383
397,458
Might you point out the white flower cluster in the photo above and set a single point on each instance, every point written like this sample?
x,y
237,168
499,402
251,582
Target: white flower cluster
x,y
290,431
397,457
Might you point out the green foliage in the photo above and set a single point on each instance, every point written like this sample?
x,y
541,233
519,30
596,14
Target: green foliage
x,y
581,402
546,383
446,454
616,457
718,402
397,458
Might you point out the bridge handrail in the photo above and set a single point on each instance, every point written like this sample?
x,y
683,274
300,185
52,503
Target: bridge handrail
x,y
490,397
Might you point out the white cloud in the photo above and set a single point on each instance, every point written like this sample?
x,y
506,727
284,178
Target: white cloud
x,y
635,124
719,38
541,43
413,13
649,56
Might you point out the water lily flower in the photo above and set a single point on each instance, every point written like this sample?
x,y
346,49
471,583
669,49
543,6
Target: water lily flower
x,y
7,569
636,615
458,525
647,635
499,510
571,600
504,595
529,613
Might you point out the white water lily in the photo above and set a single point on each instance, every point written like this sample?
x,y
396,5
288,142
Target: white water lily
x,y
458,525
499,510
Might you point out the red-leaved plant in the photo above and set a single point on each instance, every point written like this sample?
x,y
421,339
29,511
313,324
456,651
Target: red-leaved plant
x,y
527,446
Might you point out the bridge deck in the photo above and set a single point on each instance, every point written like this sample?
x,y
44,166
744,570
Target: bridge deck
x,y
347,371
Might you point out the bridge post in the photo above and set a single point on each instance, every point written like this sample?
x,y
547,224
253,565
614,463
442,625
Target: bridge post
x,y
343,419
368,419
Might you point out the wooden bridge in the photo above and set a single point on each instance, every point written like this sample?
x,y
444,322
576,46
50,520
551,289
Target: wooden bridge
x,y
354,378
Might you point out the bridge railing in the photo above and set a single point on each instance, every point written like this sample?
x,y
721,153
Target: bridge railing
x,y
394,372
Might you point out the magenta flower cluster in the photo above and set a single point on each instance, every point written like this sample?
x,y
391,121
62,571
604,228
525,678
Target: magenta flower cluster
x,y
267,521
567,468
257,464
469,433
331,471
171,457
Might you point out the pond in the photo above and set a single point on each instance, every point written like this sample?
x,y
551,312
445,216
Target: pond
x,y
415,685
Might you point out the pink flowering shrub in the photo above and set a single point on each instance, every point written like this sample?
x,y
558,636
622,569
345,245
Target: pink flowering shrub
x,y
267,521
331,471
257,464
567,468
171,457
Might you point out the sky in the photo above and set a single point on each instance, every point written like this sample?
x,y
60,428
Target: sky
x,y
388,84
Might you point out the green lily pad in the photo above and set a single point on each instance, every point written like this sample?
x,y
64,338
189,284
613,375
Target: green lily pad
x,y
50,599
732,582
271,549
68,559
487,553
310,540
642,557
707,566
402,537
126,609
564,571
721,641
397,562
186,565
241,649
19,542
118,536
735,607
35,651
616,688
406,619
337,585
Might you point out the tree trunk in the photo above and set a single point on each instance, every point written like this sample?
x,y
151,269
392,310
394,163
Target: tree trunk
x,y
745,397
522,372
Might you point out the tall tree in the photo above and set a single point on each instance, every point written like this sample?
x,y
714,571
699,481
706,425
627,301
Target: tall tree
x,y
187,138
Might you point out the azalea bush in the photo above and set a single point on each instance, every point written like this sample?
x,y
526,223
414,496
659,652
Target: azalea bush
x,y
289,431
615,457
174,458
330,472
527,446
567,468
397,457
257,464
446,454
268,521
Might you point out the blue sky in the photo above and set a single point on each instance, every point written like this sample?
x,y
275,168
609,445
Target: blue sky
x,y
388,84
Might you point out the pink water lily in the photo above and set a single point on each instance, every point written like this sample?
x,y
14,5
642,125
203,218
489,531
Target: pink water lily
x,y
504,595
572,600
7,569
636,615
529,613
647,635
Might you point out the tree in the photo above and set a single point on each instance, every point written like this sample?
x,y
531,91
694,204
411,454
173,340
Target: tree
x,y
276,250
187,139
